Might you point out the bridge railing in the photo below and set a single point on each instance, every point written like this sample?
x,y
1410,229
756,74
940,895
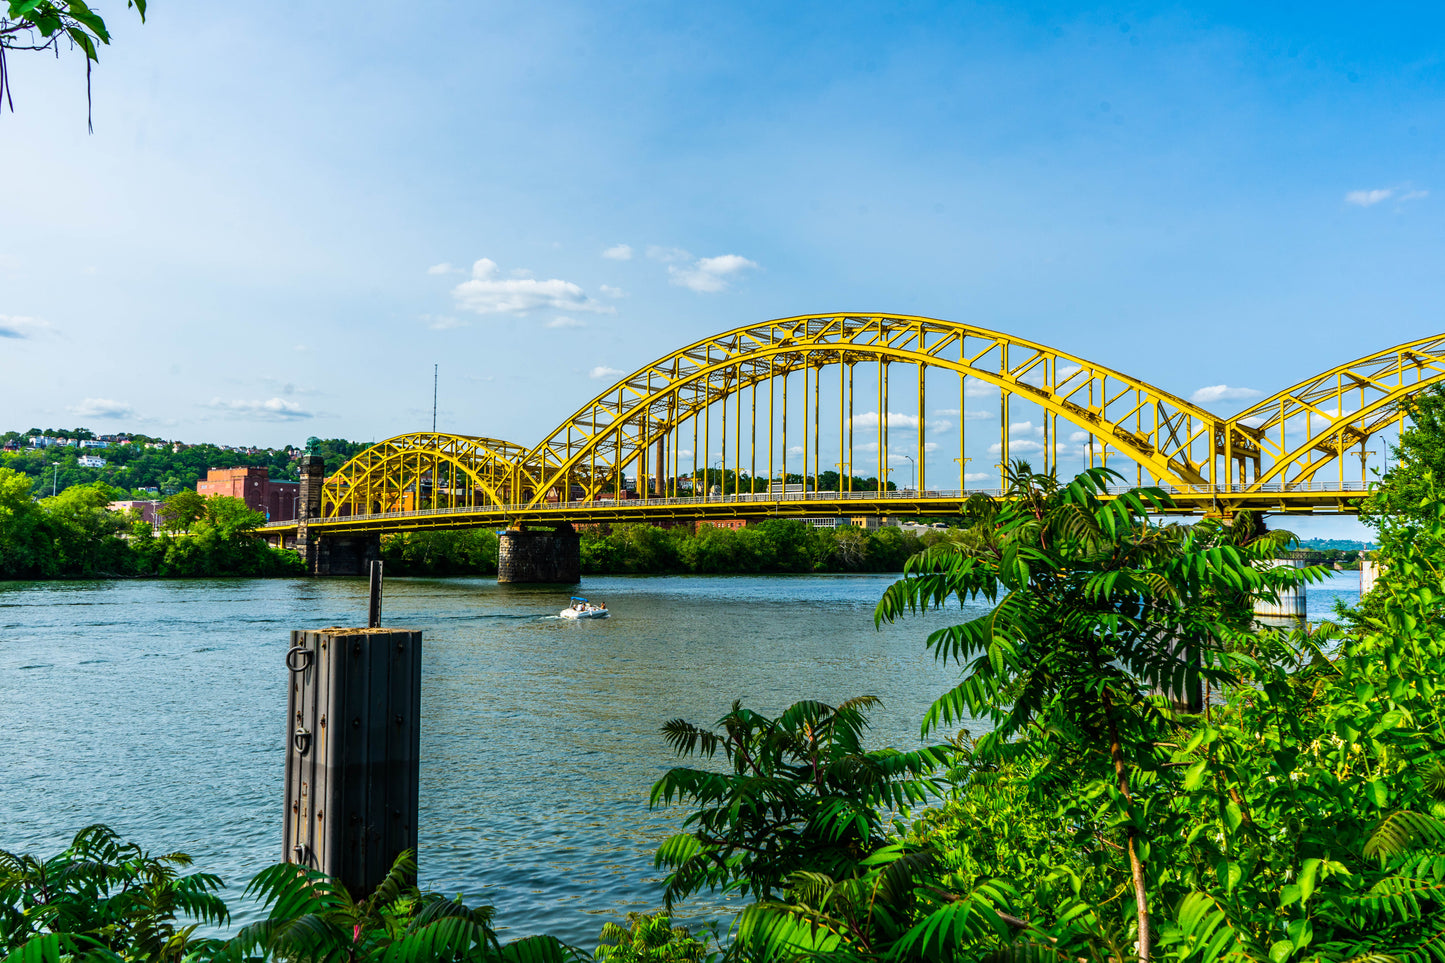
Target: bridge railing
x,y
901,494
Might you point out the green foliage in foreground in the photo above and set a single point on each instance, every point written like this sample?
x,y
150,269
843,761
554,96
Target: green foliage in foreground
x,y
1299,817
104,901
73,535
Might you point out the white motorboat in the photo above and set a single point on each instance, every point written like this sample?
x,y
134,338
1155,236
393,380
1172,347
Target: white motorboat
x,y
583,609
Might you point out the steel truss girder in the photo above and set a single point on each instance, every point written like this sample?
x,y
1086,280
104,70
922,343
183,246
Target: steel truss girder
x,y
1377,385
383,474
1179,445
614,428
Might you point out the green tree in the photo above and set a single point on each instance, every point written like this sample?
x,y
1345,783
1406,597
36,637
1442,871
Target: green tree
x,y
25,532
34,25
104,899
182,510
650,938
1095,609
800,794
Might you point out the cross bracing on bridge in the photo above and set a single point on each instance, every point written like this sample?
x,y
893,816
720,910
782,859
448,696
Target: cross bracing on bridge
x,y
822,413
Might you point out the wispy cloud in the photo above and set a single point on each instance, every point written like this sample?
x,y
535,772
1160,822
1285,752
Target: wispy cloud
x,y
618,252
667,254
445,267
563,322
1213,393
611,292
103,408
602,371
22,328
443,322
272,409
488,293
1369,198
709,275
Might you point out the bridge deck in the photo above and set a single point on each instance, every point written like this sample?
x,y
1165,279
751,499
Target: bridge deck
x,y
1327,498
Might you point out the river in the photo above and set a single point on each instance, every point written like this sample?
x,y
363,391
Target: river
x,y
158,707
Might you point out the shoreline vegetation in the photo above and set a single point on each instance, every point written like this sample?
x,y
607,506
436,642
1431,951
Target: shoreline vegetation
x,y
72,535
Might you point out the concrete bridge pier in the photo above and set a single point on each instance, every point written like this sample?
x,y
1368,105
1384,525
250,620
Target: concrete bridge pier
x,y
540,556
340,554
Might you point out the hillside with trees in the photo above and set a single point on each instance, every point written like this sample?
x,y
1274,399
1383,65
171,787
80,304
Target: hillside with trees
x,y
141,466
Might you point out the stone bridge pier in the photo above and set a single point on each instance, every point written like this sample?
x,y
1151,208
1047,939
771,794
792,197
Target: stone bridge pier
x,y
328,554
540,556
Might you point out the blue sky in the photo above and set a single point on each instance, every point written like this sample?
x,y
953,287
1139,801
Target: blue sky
x,y
276,228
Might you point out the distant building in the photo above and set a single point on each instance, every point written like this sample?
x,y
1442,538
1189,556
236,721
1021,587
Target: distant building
x,y
148,510
729,523
274,499
91,461
94,443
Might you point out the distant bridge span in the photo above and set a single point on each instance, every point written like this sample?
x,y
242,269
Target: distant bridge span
x,y
803,416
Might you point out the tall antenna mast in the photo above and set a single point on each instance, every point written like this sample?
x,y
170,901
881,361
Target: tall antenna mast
x,y
433,399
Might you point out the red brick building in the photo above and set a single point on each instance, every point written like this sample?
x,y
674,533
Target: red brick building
x,y
275,499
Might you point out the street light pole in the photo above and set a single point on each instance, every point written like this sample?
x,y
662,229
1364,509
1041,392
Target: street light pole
x,y
54,478
913,475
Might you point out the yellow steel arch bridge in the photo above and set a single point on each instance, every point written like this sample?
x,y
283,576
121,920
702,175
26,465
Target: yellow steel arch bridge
x,y
820,415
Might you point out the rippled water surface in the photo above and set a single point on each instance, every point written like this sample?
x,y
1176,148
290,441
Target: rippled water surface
x,y
158,707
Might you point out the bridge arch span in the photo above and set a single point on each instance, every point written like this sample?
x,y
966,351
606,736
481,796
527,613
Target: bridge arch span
x,y
422,470
1290,436
637,422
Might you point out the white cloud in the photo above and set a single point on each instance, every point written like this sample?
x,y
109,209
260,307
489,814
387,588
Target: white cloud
x,y
618,252
443,268
709,275
975,388
1367,198
1370,198
795,450
564,322
1213,393
667,254
300,347
611,292
1020,446
22,328
1079,436
486,293
443,322
894,419
602,371
1025,427
977,476
103,408
272,409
